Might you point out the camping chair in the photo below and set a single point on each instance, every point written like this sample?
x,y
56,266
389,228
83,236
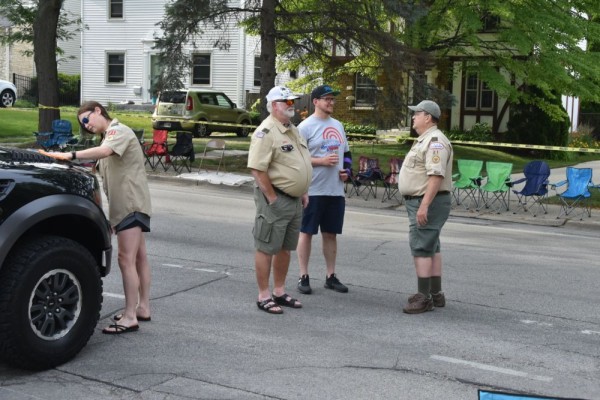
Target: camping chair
x,y
535,188
158,150
60,137
496,192
577,194
84,141
139,134
213,150
467,183
370,177
182,153
390,182
352,181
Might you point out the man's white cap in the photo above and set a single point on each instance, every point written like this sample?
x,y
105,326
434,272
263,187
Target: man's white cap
x,y
430,107
281,93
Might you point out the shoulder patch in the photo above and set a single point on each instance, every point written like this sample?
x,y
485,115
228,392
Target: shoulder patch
x,y
259,134
436,146
434,139
111,134
265,130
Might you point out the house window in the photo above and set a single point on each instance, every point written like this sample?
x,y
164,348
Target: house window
x,y
293,74
201,69
115,67
490,23
256,71
478,95
366,92
116,8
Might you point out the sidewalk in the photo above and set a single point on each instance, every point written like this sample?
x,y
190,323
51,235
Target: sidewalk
x,y
245,182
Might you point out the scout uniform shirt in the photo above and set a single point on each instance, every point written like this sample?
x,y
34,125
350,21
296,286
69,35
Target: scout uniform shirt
x,y
431,154
123,174
283,154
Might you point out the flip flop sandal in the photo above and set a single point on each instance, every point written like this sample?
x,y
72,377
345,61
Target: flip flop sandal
x,y
116,329
287,301
268,306
141,319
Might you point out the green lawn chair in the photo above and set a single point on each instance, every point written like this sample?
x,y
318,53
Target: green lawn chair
x,y
496,191
466,183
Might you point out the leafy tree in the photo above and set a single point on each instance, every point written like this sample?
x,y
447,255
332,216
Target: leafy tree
x,y
512,44
41,23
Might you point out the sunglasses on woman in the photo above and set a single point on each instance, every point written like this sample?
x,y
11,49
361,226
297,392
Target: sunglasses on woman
x,y
85,120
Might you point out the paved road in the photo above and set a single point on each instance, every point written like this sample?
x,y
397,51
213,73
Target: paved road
x,y
521,315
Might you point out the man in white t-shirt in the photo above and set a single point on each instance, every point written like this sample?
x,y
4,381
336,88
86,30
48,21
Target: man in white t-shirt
x,y
331,161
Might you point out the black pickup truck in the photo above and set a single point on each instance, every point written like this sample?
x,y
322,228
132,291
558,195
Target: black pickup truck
x,y
55,247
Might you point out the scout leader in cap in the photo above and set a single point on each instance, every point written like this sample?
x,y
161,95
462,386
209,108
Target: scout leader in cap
x,y
278,149
430,155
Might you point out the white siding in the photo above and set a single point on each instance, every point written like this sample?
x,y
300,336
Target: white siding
x,y
133,35
72,47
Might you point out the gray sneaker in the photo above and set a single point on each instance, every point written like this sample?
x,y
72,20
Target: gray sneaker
x,y
304,285
439,300
334,283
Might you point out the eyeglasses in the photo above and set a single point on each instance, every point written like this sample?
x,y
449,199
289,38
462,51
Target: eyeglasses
x,y
288,102
328,99
85,120
420,112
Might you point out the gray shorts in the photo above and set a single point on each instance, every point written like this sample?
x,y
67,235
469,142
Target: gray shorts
x,y
424,240
276,226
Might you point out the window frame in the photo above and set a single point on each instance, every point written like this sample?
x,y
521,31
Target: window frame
x,y
111,6
257,73
364,84
480,89
109,64
195,66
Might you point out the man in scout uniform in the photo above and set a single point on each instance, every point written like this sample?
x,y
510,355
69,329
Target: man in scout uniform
x,y
425,181
281,165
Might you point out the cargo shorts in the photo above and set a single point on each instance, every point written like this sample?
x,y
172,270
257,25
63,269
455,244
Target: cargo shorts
x,y
277,225
424,240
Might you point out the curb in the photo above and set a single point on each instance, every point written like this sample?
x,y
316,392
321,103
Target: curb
x,y
508,216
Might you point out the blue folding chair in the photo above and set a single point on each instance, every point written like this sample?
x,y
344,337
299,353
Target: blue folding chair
x,y
496,395
577,194
532,195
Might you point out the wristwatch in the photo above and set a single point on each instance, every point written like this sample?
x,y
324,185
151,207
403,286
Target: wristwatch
x,y
73,155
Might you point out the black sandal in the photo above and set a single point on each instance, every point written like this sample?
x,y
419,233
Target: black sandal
x,y
287,301
269,306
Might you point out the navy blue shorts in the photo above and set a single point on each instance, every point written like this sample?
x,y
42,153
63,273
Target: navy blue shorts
x,y
326,212
133,220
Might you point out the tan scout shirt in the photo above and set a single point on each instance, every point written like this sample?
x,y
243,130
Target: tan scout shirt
x,y
431,154
283,154
123,174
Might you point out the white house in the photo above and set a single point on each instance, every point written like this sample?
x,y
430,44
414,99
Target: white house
x,y
119,62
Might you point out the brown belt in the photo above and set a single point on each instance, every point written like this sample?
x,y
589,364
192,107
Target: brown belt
x,y
440,193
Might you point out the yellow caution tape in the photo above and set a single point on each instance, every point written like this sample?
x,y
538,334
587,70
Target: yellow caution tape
x,y
48,107
528,146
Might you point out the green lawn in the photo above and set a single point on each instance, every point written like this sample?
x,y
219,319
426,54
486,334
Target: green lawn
x,y
17,127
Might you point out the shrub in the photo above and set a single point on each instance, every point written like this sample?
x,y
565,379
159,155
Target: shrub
x,y
480,132
528,124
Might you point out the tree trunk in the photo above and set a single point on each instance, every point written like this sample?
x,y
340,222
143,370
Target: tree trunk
x,y
44,48
267,52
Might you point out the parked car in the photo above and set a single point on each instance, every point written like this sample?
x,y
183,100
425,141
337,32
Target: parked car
x,y
55,247
8,94
194,109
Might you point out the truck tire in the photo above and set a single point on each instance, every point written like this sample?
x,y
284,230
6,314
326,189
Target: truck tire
x,y
50,300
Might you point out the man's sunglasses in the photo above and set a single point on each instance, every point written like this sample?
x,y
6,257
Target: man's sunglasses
x,y
85,120
288,102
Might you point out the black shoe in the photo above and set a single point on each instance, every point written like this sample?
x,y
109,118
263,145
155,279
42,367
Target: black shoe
x,y
334,283
304,285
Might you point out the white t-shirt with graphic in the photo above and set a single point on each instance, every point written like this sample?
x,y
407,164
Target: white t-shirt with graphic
x,y
325,136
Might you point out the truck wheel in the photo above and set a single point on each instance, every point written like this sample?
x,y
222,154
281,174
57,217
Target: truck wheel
x,y
50,300
201,130
243,132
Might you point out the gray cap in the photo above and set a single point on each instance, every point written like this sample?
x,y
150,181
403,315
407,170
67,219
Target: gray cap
x,y
430,107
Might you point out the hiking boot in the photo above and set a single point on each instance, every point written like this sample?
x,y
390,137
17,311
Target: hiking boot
x,y
334,283
439,300
304,285
419,304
